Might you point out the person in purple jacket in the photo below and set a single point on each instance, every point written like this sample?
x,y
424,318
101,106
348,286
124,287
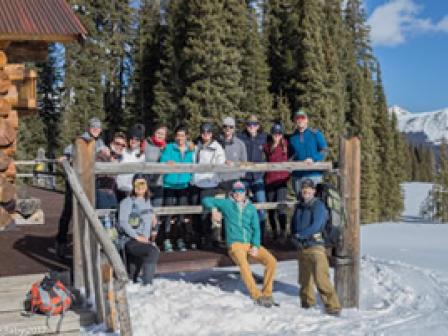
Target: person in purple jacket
x,y
276,150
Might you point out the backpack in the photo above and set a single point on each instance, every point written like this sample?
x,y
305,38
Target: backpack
x,y
49,297
336,222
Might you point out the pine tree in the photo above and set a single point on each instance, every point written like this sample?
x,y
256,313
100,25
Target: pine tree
x,y
441,187
84,66
255,75
146,57
360,102
212,75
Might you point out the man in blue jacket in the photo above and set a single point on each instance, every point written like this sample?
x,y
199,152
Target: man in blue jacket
x,y
308,222
254,140
307,145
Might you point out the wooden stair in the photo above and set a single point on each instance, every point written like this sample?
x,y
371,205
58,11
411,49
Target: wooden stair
x,y
12,322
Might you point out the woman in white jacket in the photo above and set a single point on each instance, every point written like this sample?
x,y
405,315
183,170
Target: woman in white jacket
x,y
208,151
132,153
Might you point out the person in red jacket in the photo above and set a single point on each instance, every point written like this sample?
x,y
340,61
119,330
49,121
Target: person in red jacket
x,y
276,150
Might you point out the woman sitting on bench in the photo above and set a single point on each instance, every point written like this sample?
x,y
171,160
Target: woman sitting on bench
x,y
138,222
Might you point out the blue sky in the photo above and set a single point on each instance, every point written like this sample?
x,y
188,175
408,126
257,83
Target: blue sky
x,y
410,38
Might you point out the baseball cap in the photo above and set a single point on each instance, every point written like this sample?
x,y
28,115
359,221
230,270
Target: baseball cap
x,y
228,121
277,128
300,113
252,119
238,186
94,123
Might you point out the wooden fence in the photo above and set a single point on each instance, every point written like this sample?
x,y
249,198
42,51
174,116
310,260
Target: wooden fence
x,y
97,265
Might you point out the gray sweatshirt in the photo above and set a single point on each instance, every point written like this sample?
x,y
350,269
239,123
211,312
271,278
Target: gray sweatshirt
x,y
99,144
152,154
136,216
235,151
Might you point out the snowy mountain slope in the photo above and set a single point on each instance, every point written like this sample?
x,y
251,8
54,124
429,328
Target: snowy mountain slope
x,y
404,291
424,126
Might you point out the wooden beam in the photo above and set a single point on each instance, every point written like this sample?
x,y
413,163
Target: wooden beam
x,y
15,72
348,253
165,168
12,37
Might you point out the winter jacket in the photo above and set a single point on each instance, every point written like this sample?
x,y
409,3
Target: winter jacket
x,y
208,154
254,148
309,144
144,212
308,222
235,151
124,181
172,153
276,154
241,223
99,144
153,154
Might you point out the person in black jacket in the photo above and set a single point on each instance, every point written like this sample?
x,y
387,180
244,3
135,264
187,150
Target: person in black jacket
x,y
254,139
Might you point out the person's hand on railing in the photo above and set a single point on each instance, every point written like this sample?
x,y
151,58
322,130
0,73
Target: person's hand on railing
x,y
62,158
308,161
216,215
171,163
229,163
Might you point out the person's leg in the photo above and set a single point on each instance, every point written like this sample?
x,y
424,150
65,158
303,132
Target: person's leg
x,y
206,218
268,260
169,200
238,253
195,199
184,225
149,263
66,216
260,197
281,196
307,294
271,197
322,279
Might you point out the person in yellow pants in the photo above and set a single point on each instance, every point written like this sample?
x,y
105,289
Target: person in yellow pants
x,y
308,222
242,229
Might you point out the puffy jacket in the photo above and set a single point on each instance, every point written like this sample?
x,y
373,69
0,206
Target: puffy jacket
x,y
309,221
276,154
172,153
309,144
209,154
241,223
254,149
124,181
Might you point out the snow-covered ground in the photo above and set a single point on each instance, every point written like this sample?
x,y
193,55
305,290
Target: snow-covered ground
x,y
404,291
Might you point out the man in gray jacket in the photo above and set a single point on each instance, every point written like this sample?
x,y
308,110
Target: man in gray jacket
x,y
235,152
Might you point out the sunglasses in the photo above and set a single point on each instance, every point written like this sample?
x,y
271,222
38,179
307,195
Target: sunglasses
x,y
230,127
300,117
120,144
242,191
252,124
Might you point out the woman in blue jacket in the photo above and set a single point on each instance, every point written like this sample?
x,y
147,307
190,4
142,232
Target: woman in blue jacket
x,y
176,185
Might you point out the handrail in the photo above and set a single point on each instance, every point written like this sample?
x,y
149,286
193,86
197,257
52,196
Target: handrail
x,y
105,242
164,168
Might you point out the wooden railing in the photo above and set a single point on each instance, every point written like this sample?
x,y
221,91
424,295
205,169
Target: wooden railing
x,y
88,238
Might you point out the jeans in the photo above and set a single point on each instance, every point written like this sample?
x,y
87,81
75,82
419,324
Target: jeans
x,y
277,193
202,222
141,254
66,215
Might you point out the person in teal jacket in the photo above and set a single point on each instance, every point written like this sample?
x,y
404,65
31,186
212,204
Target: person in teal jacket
x,y
242,229
176,185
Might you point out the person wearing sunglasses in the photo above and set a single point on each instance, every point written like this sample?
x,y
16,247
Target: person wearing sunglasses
x,y
235,151
255,139
117,146
243,240
307,145
138,222
208,151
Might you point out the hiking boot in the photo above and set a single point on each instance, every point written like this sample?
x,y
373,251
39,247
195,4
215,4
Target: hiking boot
x,y
181,245
167,246
335,312
265,301
305,305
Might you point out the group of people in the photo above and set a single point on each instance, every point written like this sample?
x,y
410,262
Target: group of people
x,y
243,227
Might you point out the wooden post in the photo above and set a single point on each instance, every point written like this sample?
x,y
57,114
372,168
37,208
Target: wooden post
x,y
85,159
347,255
108,288
108,248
